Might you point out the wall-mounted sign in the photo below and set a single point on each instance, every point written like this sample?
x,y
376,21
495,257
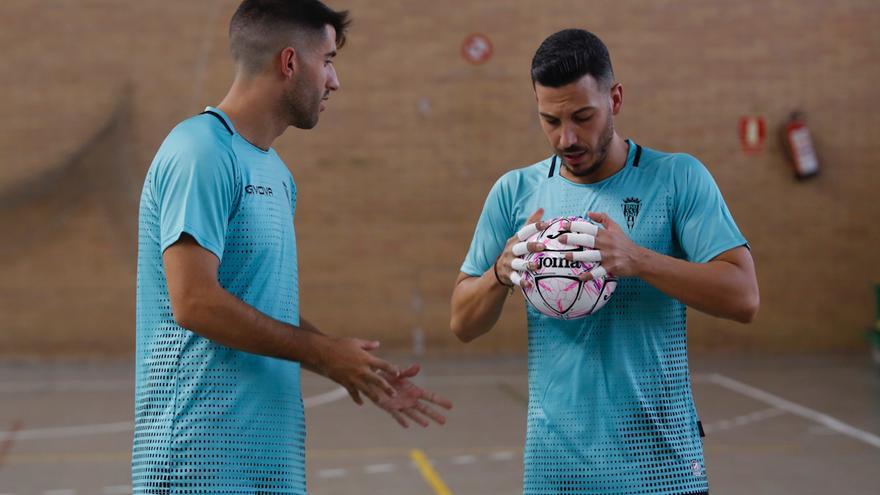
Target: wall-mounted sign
x,y
476,48
752,134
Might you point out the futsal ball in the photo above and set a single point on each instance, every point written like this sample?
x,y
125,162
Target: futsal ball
x,y
555,289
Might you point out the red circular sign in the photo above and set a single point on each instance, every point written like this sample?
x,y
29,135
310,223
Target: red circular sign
x,y
476,48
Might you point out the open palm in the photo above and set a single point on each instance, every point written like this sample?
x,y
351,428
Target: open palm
x,y
411,401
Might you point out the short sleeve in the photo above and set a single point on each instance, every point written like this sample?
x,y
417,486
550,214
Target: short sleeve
x,y
493,230
195,191
290,191
703,223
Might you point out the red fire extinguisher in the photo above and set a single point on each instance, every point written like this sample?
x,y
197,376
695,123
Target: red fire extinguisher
x,y
799,145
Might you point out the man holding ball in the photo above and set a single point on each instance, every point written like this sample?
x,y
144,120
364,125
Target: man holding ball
x,y
610,404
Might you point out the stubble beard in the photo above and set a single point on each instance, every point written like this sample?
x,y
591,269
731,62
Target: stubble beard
x,y
603,148
301,111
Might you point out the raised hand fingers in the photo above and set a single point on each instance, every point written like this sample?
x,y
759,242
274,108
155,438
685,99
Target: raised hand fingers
x,y
598,272
530,230
595,273
373,380
398,417
585,240
437,399
523,248
519,264
355,396
520,248
591,256
580,227
411,413
367,345
382,365
410,372
430,413
515,278
527,231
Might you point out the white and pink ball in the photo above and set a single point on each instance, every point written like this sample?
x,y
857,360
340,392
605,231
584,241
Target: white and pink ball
x,y
554,288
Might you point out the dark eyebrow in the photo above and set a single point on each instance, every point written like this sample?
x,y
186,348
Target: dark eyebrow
x,y
330,54
579,110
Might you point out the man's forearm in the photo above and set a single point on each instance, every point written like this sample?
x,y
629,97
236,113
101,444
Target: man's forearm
x,y
723,287
220,316
476,305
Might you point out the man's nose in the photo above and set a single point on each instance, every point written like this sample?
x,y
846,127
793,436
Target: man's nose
x,y
568,138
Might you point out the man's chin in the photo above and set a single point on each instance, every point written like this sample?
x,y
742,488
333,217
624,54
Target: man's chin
x,y
306,124
582,169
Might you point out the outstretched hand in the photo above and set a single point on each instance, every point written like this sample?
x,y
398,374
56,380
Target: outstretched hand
x,y
411,401
350,363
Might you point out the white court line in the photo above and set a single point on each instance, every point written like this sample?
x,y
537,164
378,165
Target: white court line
x,y
117,490
332,473
379,468
701,378
120,427
504,455
325,398
73,431
796,409
745,419
464,459
66,385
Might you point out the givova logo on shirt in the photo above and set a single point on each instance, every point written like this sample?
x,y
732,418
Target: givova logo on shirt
x,y
259,190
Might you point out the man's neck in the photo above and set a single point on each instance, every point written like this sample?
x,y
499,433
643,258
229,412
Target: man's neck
x,y
618,152
254,111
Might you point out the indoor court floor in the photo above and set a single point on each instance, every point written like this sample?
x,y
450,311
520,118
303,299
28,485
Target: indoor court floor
x,y
775,425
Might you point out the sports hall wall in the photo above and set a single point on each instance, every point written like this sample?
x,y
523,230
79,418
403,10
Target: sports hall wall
x,y
392,180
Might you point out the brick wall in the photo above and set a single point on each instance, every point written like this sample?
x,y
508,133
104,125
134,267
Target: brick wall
x,y
408,149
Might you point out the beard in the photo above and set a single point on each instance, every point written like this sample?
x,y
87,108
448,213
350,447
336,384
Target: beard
x,y
600,152
301,107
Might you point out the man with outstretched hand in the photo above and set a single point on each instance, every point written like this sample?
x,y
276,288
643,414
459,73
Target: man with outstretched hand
x,y
220,339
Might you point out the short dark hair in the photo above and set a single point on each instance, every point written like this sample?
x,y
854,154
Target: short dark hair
x,y
261,28
569,55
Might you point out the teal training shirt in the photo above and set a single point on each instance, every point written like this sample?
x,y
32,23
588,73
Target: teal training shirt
x,y
610,406
210,419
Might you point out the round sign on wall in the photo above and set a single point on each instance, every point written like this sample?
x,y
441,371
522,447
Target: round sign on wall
x,y
476,48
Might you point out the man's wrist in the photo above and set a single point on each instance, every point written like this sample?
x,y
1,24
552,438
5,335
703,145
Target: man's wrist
x,y
498,278
642,261
320,345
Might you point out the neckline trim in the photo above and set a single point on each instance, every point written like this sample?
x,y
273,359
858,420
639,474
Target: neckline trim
x,y
633,158
221,119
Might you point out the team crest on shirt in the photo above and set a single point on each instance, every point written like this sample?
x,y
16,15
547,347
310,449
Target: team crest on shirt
x,y
631,207
697,469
